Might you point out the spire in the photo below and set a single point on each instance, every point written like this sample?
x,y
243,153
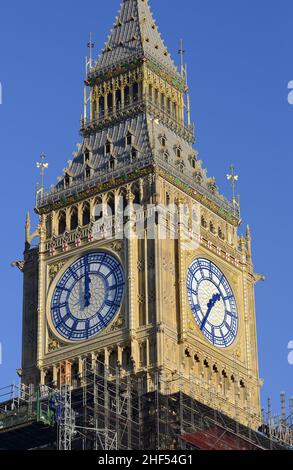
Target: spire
x,y
248,240
135,34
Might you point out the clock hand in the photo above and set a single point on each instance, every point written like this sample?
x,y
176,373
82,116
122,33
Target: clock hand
x,y
210,305
87,294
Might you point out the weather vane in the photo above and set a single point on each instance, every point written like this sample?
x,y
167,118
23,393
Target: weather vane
x,y
234,178
42,165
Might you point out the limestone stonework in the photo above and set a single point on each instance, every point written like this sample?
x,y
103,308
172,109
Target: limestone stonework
x,y
138,146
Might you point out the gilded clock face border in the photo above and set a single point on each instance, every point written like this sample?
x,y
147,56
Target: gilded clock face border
x,y
68,261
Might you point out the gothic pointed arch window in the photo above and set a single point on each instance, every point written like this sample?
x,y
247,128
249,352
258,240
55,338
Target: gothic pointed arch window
x,y
61,223
129,139
135,91
108,147
98,209
66,180
101,106
86,215
221,233
87,155
127,95
163,141
203,222
73,219
178,151
110,102
118,99
192,159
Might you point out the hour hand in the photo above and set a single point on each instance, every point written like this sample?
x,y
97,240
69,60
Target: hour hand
x,y
210,305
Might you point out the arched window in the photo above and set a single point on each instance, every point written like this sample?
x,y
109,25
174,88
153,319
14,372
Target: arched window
x,y
118,99
74,219
86,155
98,210
163,141
178,152
86,216
101,106
61,223
108,147
220,233
110,102
135,91
203,222
129,139
127,95
66,181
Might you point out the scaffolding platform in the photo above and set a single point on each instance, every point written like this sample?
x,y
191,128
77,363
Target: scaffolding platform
x,y
114,410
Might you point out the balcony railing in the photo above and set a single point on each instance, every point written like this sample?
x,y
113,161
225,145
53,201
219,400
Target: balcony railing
x,y
83,183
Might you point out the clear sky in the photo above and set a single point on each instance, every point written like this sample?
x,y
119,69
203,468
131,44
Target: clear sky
x,y
239,54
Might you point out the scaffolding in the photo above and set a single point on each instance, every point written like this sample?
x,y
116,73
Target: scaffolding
x,y
107,409
111,409
279,428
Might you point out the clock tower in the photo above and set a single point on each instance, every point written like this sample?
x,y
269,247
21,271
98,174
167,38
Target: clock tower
x,y
139,264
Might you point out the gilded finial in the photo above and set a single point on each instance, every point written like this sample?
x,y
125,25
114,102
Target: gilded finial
x,y
42,165
90,45
234,178
181,52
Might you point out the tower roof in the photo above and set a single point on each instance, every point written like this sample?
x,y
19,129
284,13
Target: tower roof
x,y
134,34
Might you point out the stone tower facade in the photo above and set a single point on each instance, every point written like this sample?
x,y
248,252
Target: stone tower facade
x,y
137,151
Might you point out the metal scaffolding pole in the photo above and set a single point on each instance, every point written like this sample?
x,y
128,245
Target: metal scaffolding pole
x,y
66,424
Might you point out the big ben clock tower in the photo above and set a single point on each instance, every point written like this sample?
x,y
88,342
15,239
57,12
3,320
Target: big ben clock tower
x,y
179,301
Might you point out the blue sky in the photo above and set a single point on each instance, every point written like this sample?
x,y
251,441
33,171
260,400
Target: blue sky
x,y
239,54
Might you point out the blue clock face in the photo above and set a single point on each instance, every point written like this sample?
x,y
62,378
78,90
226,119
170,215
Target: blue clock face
x,y
212,302
87,296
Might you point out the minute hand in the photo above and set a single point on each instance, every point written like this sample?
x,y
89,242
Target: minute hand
x,y
87,281
213,300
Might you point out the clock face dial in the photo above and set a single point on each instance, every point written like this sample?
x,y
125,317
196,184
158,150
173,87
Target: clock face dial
x,y
87,296
212,302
